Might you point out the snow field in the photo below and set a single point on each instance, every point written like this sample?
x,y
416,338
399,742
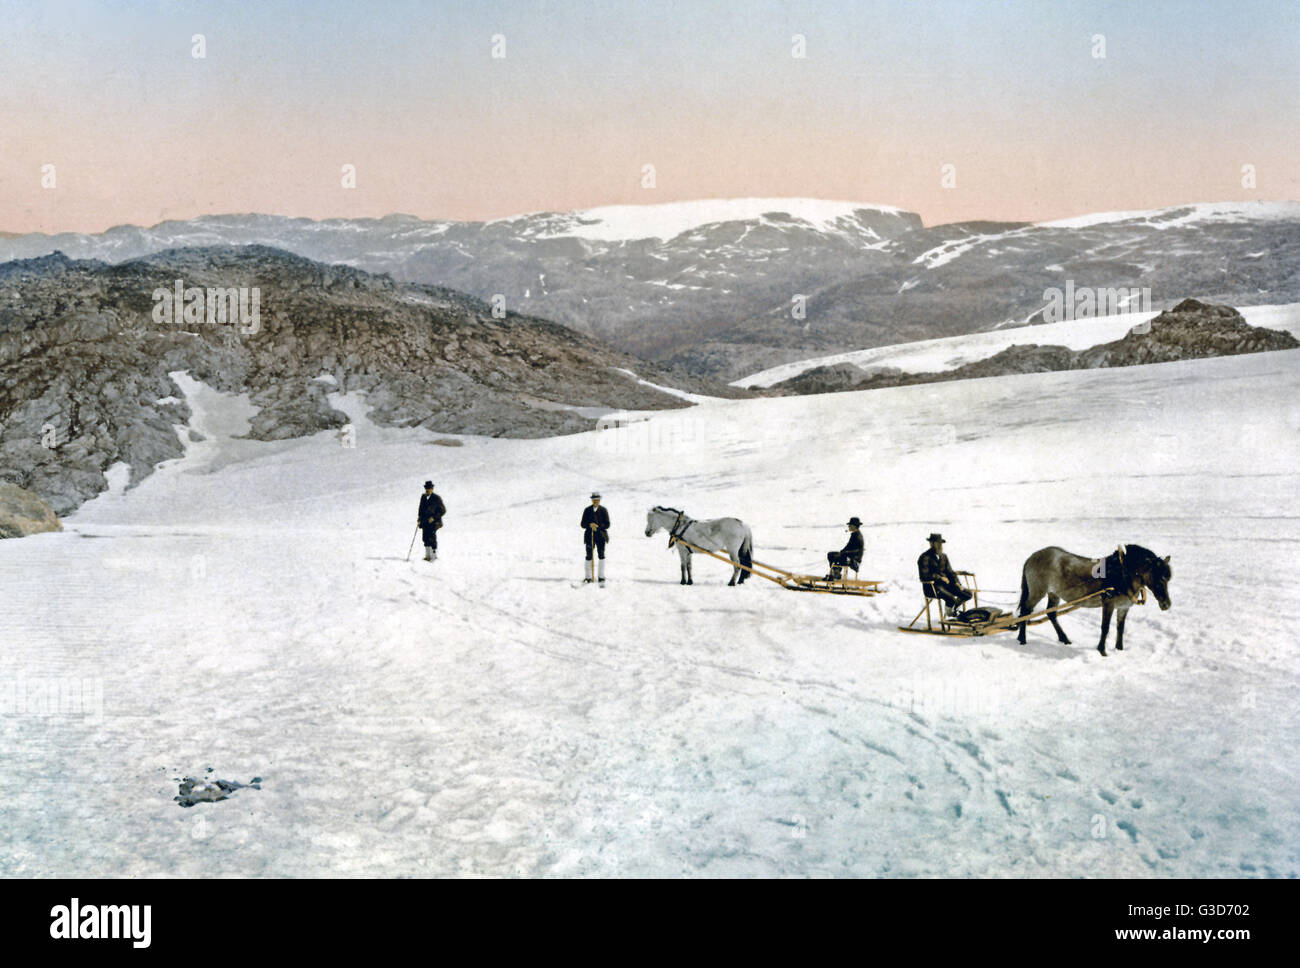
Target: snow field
x,y
248,608
950,352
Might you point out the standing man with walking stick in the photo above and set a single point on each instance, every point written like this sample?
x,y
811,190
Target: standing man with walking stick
x,y
595,532
431,511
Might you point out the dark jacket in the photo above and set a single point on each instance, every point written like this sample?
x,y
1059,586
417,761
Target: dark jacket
x,y
594,515
934,566
852,552
431,510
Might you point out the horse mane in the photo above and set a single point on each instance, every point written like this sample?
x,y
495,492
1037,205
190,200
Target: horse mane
x,y
1115,568
1142,556
660,507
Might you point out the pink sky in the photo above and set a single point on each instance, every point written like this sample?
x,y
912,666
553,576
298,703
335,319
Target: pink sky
x,y
1037,128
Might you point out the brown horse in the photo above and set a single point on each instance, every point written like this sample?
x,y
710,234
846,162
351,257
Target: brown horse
x,y
1065,577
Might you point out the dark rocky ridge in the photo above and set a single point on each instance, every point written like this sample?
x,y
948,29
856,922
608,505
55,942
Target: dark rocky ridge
x,y
1191,330
81,353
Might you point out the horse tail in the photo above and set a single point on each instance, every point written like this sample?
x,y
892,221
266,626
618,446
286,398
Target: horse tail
x,y
1024,591
747,553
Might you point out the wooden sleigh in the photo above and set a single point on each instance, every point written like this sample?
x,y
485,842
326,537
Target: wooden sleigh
x,y
795,582
938,623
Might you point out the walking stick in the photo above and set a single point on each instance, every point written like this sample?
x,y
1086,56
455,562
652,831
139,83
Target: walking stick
x,y
412,548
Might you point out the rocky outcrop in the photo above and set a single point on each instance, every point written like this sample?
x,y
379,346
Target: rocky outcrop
x,y
1191,330
84,362
23,513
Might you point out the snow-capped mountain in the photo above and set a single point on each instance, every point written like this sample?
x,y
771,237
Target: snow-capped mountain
x,y
666,221
1165,218
712,284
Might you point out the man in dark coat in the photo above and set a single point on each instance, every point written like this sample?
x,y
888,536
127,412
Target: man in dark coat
x,y
595,532
431,511
935,568
850,556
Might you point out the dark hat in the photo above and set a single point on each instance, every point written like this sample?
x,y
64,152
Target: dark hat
x,y
935,536
854,522
595,495
428,483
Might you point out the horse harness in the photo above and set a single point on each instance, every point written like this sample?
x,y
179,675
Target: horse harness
x,y
1120,585
678,530
1124,584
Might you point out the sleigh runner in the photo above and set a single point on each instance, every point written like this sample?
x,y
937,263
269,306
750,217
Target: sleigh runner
x,y
796,582
983,620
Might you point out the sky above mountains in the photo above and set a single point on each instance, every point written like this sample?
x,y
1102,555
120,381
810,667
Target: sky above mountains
x,y
1011,95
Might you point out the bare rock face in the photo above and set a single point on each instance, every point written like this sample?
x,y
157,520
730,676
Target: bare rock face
x,y
293,408
85,358
23,513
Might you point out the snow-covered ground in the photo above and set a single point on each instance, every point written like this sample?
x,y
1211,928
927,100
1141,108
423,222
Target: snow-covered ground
x,y
948,353
249,608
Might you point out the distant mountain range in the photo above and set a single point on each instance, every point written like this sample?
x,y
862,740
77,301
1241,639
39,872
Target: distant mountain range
x,y
710,285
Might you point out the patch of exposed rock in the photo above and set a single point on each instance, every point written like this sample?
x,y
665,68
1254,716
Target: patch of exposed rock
x,y
23,513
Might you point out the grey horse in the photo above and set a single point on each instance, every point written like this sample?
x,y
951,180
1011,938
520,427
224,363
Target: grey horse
x,y
1066,577
719,534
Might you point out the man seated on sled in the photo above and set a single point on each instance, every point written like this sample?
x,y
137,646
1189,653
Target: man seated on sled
x,y
943,582
850,556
